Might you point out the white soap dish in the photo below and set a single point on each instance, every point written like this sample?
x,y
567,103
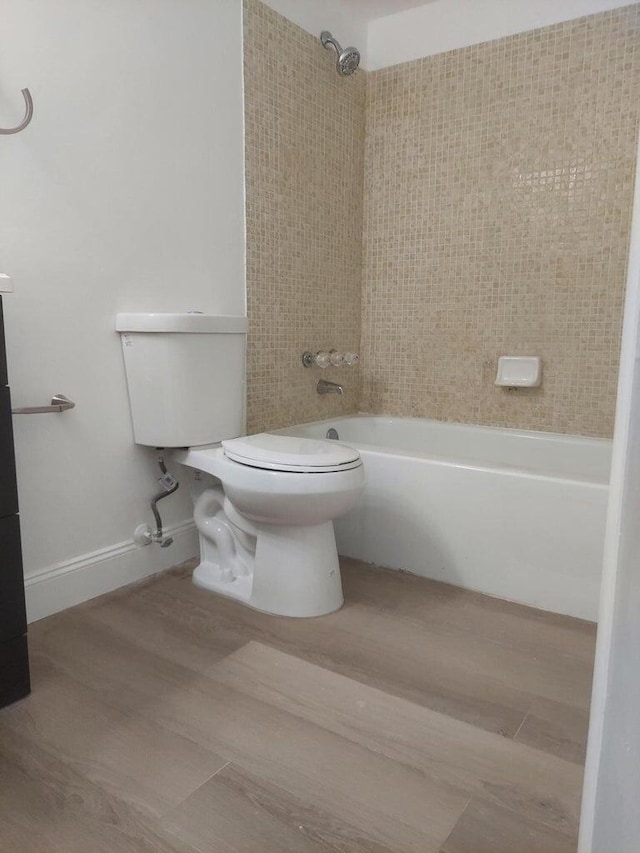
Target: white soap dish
x,y
519,371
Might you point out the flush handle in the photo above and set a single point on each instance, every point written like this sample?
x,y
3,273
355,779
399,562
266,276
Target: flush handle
x,y
59,403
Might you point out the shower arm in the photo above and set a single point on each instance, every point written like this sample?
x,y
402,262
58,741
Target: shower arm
x,y
327,39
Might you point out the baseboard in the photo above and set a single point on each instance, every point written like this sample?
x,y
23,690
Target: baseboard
x,y
81,578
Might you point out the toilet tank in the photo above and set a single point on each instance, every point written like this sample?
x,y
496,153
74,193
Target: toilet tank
x,y
185,377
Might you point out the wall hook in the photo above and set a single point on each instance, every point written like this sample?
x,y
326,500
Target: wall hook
x,y
28,100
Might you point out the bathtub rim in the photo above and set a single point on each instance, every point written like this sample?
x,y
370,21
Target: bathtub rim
x,y
506,469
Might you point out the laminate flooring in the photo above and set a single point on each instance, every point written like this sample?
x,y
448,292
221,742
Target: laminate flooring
x,y
420,717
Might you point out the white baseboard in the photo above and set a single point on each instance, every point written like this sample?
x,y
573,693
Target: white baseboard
x,y
81,578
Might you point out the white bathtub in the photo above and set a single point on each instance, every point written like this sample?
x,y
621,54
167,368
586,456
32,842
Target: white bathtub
x,y
519,515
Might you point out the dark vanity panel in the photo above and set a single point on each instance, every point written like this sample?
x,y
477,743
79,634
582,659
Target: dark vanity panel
x,y
13,621
8,488
14,670
14,659
3,354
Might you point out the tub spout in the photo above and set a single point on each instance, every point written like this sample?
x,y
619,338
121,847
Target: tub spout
x,y
324,387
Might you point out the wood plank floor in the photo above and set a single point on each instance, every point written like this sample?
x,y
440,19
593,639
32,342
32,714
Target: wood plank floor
x,y
420,717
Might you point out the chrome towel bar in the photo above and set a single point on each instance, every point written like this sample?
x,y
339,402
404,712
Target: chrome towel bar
x,y
59,403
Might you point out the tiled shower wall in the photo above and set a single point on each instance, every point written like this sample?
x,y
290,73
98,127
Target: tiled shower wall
x,y
497,202
498,191
304,173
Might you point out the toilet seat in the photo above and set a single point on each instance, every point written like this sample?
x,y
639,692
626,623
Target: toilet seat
x,y
289,453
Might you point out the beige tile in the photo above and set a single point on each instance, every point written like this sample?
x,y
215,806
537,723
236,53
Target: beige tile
x,y
487,828
477,204
238,811
124,653
556,728
452,611
493,668
389,801
151,768
141,698
462,627
539,786
122,629
47,805
498,188
351,644
487,683
304,134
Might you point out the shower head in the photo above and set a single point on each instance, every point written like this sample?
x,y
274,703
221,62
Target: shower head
x,y
348,59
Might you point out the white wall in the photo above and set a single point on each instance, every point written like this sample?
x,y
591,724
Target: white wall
x,y
443,25
432,27
610,817
347,21
125,193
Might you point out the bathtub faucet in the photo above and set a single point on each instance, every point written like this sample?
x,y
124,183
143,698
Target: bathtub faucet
x,y
324,387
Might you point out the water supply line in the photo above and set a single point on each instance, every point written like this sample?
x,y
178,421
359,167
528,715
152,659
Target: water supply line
x,y
169,486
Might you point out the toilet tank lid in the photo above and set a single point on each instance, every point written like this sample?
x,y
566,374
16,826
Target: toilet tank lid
x,y
189,323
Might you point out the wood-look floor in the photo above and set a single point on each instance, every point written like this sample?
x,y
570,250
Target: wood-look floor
x,y
420,717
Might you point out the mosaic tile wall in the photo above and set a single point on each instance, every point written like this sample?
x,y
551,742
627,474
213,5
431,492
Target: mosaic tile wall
x,y
498,192
304,173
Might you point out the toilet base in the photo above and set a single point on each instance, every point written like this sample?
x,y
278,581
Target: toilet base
x,y
296,571
207,576
285,570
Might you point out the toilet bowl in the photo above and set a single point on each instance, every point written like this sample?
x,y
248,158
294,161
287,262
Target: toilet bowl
x,y
266,521
266,534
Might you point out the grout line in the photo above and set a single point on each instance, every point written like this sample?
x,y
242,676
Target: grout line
x,y
179,805
524,720
219,770
213,776
458,819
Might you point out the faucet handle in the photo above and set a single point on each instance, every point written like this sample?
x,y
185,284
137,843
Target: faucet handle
x,y
324,359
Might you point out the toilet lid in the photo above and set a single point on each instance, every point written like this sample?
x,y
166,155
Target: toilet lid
x,y
289,453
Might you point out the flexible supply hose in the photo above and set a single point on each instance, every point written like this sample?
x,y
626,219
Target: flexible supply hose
x,y
158,537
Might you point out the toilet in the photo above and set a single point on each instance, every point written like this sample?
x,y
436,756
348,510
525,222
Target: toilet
x,y
265,511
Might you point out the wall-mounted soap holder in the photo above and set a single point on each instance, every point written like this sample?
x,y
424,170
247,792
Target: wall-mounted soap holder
x,y
519,371
330,358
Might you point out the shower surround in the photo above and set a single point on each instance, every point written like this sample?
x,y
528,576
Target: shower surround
x,y
498,191
304,131
497,203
